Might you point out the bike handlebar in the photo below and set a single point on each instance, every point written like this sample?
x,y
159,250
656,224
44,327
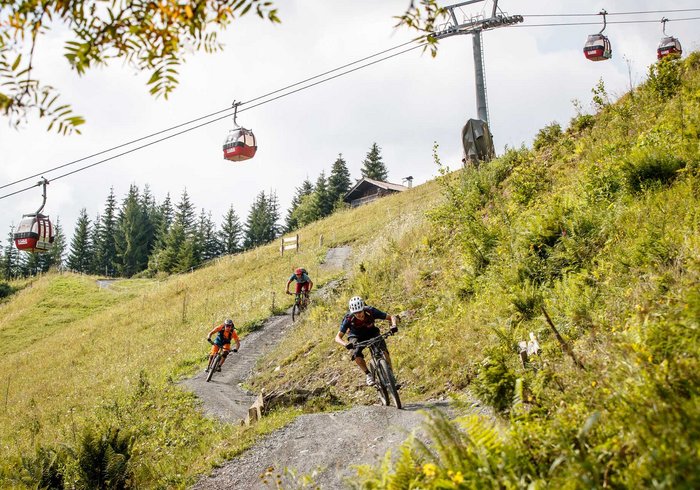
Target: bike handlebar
x,y
374,340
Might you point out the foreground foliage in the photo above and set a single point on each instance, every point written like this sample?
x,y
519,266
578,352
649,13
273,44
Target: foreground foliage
x,y
600,228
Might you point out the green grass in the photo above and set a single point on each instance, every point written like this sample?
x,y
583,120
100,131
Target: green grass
x,y
600,227
76,356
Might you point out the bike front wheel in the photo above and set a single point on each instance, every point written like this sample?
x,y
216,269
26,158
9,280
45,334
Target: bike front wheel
x,y
296,310
214,366
379,383
390,382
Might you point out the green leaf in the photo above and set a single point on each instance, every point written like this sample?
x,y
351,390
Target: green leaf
x,y
17,62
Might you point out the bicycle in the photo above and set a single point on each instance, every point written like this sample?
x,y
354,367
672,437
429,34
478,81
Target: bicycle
x,y
215,362
382,374
301,301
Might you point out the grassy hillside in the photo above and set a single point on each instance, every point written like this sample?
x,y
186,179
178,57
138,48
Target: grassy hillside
x,y
78,361
599,227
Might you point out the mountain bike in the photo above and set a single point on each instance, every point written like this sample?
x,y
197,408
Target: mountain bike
x,y
382,374
215,362
301,301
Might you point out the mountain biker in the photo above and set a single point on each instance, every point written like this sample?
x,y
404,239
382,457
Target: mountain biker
x,y
303,281
360,322
224,334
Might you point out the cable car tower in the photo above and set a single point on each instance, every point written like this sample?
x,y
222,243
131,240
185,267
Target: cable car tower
x,y
474,25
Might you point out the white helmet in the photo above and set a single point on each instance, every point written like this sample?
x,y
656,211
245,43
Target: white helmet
x,y
356,304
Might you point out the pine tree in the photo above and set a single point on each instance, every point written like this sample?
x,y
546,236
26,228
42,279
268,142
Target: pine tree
x,y
260,227
150,211
131,240
307,210
10,266
339,181
231,232
291,223
273,214
80,254
162,221
373,167
209,245
322,198
166,260
106,232
185,215
58,248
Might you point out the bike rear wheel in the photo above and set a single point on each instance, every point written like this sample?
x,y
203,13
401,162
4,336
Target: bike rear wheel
x,y
214,366
390,382
379,382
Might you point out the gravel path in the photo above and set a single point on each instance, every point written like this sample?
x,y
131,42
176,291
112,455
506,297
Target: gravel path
x,y
324,445
223,396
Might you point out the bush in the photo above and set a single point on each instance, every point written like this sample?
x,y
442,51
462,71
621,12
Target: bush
x,y
103,459
581,123
495,383
6,290
547,136
665,77
651,169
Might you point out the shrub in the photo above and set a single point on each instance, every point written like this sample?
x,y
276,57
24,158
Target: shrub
x,y
581,123
650,169
103,459
547,136
5,290
47,468
495,383
665,77
527,181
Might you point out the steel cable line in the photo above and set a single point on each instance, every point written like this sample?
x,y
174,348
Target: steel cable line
x,y
228,110
223,117
614,13
598,23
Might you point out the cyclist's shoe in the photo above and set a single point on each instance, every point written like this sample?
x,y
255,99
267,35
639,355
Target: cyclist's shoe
x,y
398,385
369,380
206,370
218,370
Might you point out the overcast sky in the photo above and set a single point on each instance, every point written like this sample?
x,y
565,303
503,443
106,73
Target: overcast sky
x,y
404,104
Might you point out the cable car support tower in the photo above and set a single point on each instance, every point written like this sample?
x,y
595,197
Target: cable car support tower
x,y
475,25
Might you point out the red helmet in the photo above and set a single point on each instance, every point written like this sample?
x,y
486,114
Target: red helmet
x,y
299,271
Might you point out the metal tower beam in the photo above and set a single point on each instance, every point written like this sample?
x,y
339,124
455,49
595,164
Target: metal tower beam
x,y
474,26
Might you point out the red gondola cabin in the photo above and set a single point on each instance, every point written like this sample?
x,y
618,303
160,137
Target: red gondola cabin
x,y
669,46
597,48
35,233
239,145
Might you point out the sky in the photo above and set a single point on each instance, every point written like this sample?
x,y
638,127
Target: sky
x,y
405,104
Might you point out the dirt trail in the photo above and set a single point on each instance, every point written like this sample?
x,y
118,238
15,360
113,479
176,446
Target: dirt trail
x,y
325,444
223,396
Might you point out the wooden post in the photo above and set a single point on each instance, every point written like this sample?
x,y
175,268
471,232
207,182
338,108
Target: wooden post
x,y
320,241
297,242
282,247
272,309
184,305
565,347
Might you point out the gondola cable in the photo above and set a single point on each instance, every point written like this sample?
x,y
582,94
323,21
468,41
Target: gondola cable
x,y
227,110
216,119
